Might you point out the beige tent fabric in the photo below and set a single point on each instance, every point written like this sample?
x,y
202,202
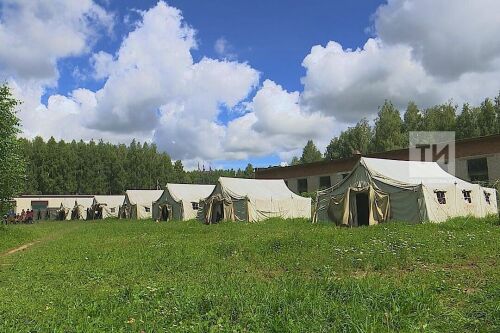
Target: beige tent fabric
x,y
255,200
403,190
79,211
342,208
138,204
180,198
110,205
211,209
66,207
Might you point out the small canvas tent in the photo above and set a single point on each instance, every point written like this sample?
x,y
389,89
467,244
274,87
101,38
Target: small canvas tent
x,y
46,206
378,190
106,206
138,204
238,199
81,208
66,207
180,201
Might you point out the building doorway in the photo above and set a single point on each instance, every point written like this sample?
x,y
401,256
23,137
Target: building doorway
x,y
362,209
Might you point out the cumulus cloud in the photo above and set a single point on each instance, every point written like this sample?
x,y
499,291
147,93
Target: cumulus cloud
x,y
425,51
34,34
153,84
448,38
224,49
276,123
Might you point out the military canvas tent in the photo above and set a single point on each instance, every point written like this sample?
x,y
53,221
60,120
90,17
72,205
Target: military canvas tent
x,y
46,206
378,190
66,208
138,204
253,200
81,208
180,201
106,206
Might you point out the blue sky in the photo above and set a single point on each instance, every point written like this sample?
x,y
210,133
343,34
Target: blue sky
x,y
257,81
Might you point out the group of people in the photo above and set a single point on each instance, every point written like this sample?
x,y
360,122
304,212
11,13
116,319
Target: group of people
x,y
25,217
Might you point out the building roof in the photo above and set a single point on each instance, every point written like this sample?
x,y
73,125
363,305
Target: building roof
x,y
478,146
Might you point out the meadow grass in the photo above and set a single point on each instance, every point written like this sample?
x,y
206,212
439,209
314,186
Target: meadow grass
x,y
273,276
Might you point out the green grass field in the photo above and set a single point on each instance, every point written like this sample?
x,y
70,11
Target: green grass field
x,y
274,276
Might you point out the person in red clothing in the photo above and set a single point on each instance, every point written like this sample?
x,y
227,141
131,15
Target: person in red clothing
x,y
29,216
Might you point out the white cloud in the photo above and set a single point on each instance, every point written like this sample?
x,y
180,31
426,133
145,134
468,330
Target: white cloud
x,y
101,63
224,49
425,51
449,38
350,84
34,34
277,123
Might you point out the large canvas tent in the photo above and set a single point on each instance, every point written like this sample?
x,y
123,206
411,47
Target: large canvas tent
x,y
238,199
378,190
106,206
138,204
180,201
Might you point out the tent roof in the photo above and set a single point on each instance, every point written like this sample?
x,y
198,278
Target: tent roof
x,y
189,192
85,202
256,188
410,172
67,202
143,196
109,200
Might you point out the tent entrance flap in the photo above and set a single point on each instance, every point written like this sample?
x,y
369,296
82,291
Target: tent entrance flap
x,y
218,211
362,209
166,213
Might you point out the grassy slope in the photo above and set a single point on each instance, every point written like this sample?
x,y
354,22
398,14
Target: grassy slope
x,y
272,276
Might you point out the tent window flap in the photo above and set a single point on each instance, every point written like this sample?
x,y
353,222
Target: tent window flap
x,y
441,197
467,196
487,197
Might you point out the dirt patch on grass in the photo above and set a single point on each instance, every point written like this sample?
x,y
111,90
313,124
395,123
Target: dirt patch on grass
x,y
53,236
18,249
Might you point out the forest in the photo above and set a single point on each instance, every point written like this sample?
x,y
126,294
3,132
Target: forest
x,y
390,129
59,167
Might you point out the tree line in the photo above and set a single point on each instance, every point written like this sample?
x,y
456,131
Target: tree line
x,y
59,167
390,130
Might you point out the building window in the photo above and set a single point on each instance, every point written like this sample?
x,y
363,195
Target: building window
x,y
487,197
441,197
324,182
467,196
195,205
147,209
302,185
112,209
478,169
